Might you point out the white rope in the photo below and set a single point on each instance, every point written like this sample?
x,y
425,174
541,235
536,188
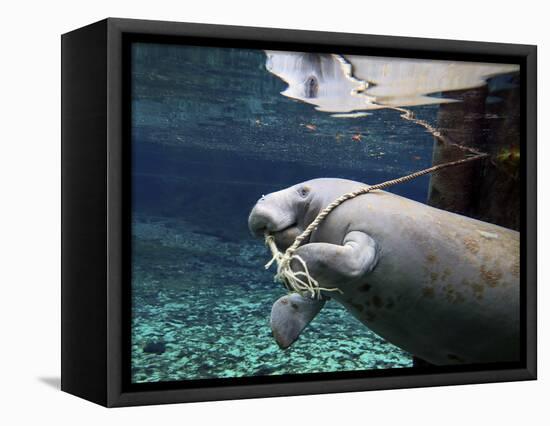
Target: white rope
x,y
301,282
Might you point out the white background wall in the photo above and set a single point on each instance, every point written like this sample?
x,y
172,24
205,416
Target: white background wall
x,y
30,194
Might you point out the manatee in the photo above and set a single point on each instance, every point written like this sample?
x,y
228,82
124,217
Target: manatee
x,y
441,286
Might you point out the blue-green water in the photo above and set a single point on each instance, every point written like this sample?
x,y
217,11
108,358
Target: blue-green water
x,y
211,133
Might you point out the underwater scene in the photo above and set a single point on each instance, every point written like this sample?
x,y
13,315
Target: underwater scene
x,y
222,140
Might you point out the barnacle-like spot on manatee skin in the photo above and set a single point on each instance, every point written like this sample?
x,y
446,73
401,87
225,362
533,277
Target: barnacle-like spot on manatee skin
x,y
377,301
284,301
357,306
431,258
477,288
428,292
491,277
370,317
365,287
450,293
453,357
454,296
472,245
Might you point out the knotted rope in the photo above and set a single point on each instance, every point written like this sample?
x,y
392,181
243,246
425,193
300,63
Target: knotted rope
x,y
301,281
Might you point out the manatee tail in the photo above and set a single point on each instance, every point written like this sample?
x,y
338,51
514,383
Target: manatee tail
x,y
290,315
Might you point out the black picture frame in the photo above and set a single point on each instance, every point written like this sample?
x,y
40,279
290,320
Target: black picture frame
x,y
95,211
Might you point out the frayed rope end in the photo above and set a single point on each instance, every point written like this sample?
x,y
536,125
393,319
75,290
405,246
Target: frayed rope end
x,y
300,282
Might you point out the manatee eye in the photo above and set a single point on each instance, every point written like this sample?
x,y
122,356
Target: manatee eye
x,y
304,191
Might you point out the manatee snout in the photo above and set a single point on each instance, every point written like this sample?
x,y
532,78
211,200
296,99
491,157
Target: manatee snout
x,y
271,219
260,221
270,214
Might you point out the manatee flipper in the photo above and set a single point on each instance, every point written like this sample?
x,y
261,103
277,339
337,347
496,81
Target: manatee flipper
x,y
331,263
290,315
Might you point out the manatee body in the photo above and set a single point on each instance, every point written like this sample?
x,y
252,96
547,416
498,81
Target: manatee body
x,y
442,286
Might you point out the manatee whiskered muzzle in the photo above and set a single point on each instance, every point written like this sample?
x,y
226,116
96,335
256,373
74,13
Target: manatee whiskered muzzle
x,y
262,221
